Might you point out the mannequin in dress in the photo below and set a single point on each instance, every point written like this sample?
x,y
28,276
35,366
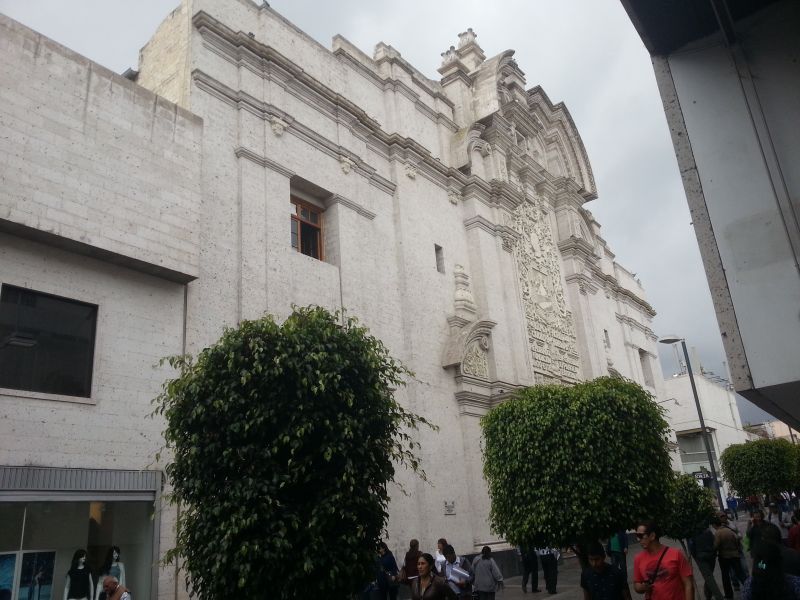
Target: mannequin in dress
x,y
111,566
78,585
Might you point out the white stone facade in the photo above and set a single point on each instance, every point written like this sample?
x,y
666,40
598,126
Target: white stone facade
x,y
452,225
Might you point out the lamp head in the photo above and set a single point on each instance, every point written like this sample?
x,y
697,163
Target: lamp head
x,y
670,339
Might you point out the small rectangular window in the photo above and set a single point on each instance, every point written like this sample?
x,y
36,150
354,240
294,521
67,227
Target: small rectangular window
x,y
306,229
439,258
647,368
606,339
46,342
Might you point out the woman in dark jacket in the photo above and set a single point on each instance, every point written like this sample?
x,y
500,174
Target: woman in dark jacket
x,y
429,586
388,580
409,570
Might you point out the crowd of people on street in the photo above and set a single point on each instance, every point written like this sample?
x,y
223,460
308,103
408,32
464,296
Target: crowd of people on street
x,y
660,572
444,575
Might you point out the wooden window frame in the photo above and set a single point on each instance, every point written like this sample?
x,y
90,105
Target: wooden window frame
x,y
319,226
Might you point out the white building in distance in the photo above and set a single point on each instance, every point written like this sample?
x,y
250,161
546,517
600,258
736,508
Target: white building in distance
x,y
248,168
721,416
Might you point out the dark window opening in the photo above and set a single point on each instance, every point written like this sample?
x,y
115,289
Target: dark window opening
x,y
306,231
46,343
439,257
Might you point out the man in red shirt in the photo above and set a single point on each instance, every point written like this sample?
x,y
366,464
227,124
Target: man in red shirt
x,y
660,572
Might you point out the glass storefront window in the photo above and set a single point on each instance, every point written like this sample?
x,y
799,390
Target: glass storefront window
x,y
38,541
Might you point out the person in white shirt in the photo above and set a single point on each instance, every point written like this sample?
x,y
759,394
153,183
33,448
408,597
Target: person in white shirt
x,y
439,557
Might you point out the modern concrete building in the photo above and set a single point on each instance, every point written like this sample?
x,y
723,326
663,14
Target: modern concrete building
x,y
246,168
721,416
728,75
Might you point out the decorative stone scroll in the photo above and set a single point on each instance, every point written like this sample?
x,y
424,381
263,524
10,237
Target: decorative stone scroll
x,y
346,164
550,328
476,358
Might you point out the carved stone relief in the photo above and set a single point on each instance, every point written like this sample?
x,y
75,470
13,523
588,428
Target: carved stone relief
x,y
476,358
278,125
346,164
550,328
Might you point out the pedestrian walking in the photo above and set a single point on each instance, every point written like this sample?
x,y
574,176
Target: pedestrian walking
x,y
602,581
457,573
781,519
428,585
618,551
738,576
755,528
733,506
409,569
440,545
530,568
794,532
660,572
769,581
488,578
705,555
389,576
549,559
728,547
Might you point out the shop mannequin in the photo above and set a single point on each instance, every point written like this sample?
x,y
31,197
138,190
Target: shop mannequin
x,y
111,566
78,585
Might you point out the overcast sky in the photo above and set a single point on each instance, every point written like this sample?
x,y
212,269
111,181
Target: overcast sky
x,y
585,53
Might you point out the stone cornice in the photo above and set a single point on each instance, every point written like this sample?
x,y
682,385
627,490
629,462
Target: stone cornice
x,y
238,47
585,283
337,199
506,233
262,161
392,146
481,396
610,282
268,112
579,247
636,325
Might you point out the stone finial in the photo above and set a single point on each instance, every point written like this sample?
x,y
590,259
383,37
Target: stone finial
x,y
464,302
466,37
449,56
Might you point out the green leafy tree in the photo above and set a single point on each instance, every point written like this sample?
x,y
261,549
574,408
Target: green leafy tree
x,y
761,467
284,438
690,509
568,464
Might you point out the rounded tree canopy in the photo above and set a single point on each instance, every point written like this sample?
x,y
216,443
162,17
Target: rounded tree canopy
x,y
761,467
284,439
691,508
575,463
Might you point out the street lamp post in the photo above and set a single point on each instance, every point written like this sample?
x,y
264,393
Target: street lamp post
x,y
672,339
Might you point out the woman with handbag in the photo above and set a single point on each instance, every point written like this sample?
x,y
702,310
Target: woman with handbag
x,y
429,586
488,578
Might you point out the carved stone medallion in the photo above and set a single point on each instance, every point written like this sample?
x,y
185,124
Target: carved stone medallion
x,y
476,358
